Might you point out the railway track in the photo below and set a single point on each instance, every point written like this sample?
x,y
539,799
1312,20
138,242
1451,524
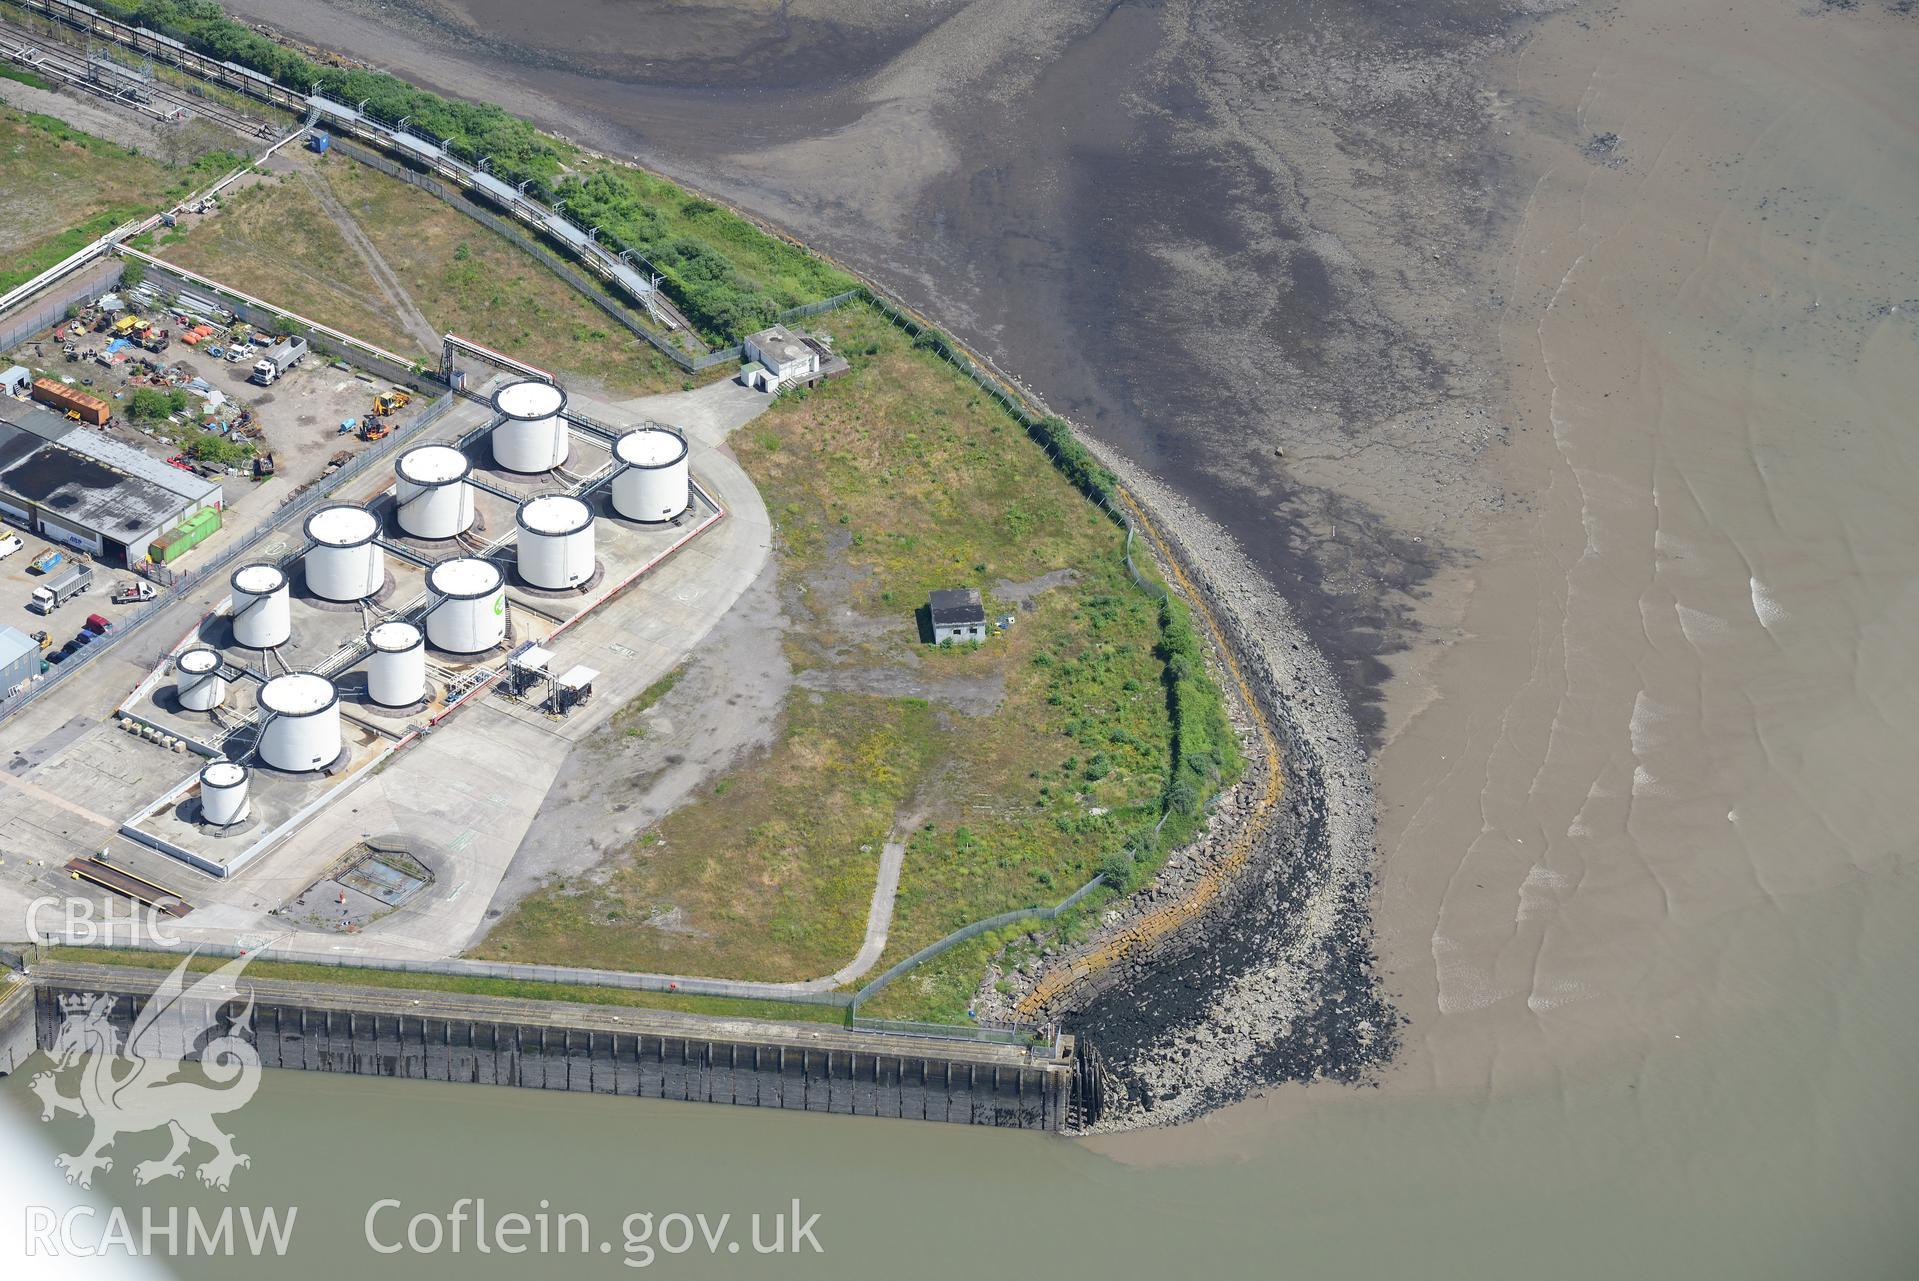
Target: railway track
x,y
153,98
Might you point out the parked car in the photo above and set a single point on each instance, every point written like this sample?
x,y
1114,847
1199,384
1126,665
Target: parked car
x,y
96,624
9,544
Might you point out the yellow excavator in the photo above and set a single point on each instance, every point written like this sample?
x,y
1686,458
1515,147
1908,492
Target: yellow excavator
x,y
391,402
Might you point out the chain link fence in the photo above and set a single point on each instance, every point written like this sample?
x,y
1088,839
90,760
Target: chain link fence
x,y
966,932
164,279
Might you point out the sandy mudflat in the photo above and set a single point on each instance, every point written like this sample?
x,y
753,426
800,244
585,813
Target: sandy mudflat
x,y
1672,705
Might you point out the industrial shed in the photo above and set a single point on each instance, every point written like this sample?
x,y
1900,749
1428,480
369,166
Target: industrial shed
x,y
80,489
19,661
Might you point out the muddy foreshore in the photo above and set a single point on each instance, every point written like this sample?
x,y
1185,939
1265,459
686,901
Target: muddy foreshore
x,y
1248,254
1276,980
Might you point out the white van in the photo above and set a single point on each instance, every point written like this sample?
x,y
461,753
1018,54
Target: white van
x,y
9,544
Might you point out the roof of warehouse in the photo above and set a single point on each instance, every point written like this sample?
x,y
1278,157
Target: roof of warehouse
x,y
125,458
83,486
13,643
116,454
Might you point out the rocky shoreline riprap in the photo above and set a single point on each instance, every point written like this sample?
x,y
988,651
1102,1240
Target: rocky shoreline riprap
x,y
1276,981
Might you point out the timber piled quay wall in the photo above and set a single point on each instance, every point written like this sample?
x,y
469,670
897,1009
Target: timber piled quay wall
x,y
437,1036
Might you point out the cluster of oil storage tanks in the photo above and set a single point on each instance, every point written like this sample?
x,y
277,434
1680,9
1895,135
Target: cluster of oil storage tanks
x,y
346,563
555,542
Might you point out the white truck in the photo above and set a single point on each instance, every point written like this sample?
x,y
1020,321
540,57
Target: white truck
x,y
53,595
280,357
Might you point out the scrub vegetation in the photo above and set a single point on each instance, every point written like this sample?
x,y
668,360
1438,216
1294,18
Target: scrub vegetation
x,y
277,240
766,877
1016,770
727,275
64,189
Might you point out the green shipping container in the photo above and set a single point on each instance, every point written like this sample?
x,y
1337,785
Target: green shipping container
x,y
183,538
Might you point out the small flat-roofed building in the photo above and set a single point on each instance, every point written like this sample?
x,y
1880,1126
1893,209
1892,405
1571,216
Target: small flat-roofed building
x,y
19,661
81,489
777,356
957,615
16,380
783,356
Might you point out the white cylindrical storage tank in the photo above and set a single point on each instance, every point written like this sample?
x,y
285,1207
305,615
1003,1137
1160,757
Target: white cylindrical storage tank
x,y
470,615
430,485
302,730
531,437
344,563
262,606
396,673
555,544
197,682
223,793
651,483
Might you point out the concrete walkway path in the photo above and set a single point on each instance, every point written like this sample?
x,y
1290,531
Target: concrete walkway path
x,y
879,918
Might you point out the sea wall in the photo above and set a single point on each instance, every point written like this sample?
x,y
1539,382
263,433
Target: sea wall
x,y
588,1049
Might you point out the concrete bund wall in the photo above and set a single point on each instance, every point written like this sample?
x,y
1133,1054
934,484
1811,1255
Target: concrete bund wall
x,y
637,1053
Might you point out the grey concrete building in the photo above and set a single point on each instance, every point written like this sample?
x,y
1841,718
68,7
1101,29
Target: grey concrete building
x,y
957,615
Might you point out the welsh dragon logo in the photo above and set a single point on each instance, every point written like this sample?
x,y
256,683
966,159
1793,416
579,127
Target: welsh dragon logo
x,y
135,1087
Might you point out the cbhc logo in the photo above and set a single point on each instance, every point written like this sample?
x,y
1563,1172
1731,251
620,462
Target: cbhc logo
x,y
84,922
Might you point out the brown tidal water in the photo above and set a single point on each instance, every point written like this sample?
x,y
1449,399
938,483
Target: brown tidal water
x,y
1775,1147
1629,341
